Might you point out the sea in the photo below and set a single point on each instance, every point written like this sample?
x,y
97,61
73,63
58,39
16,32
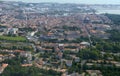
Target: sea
x,y
108,11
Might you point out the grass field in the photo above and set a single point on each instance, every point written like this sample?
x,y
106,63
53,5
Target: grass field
x,y
10,38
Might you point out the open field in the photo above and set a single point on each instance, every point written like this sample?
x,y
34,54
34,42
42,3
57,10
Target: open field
x,y
16,38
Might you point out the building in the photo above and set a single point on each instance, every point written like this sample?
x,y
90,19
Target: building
x,y
69,63
2,67
94,72
11,31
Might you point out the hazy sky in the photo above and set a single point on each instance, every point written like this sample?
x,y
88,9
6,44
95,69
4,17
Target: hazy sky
x,y
74,1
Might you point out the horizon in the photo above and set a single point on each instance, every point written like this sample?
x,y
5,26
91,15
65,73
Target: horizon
x,y
70,1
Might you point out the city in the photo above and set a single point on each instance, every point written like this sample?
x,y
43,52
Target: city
x,y
55,39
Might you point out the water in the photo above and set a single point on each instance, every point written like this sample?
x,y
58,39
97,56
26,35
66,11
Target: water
x,y
108,11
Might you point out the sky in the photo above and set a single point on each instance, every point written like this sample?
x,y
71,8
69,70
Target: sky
x,y
73,1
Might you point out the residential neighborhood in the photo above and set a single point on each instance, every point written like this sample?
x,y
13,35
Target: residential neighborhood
x,y
59,39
